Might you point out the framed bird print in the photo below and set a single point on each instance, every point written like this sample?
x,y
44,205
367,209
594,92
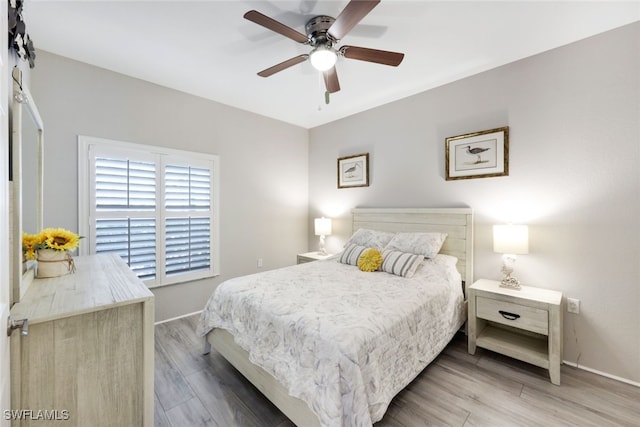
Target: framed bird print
x,y
478,155
353,171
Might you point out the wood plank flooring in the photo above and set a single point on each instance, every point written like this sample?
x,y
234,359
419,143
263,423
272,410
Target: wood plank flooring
x,y
457,389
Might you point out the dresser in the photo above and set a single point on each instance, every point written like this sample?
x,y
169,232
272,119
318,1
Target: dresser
x,y
524,323
87,358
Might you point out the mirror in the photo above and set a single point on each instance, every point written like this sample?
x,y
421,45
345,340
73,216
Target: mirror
x,y
26,181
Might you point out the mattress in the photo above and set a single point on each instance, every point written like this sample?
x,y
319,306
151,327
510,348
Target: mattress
x,y
342,340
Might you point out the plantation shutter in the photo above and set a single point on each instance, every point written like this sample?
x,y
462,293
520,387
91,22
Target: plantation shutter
x,y
128,188
187,223
155,207
124,184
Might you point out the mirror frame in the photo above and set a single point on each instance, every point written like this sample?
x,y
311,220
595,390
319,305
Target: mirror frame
x,y
22,274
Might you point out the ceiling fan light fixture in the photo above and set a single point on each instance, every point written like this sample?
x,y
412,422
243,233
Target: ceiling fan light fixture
x,y
323,58
322,33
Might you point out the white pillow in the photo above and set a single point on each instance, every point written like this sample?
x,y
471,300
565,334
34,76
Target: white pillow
x,y
370,238
425,244
443,259
400,263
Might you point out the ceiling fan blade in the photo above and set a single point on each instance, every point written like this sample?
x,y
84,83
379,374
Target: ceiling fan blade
x,y
273,25
350,16
331,80
372,55
283,65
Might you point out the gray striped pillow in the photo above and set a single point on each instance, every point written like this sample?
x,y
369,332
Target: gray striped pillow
x,y
400,263
351,254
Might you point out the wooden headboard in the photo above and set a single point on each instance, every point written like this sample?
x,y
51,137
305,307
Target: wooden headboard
x,y
456,222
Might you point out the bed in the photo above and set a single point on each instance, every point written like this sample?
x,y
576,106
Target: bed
x,y
331,345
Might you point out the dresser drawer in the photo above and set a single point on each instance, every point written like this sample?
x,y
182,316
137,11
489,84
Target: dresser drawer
x,y
516,315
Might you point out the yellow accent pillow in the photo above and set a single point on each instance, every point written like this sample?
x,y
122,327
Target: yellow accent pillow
x,y
370,260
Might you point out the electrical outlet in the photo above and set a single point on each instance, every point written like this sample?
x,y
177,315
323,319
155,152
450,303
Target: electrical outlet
x,y
573,305
259,262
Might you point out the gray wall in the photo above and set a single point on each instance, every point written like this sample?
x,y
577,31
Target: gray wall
x,y
574,119
264,163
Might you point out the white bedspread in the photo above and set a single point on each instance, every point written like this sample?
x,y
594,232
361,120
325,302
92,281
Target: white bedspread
x,y
342,340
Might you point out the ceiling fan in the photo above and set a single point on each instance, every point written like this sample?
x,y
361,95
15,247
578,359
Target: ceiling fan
x,y
323,33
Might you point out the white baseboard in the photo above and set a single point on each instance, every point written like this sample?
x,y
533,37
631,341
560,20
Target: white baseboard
x,y
177,317
604,374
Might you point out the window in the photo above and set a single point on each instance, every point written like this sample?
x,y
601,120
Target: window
x,y
155,207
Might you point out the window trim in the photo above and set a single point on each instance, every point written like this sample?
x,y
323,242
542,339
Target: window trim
x,y
86,198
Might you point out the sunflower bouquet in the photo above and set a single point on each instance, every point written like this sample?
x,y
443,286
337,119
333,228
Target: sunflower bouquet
x,y
57,239
52,249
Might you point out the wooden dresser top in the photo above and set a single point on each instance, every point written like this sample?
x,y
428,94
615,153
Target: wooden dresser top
x,y
99,282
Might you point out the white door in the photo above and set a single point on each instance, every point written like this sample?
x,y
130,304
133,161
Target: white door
x,y
5,383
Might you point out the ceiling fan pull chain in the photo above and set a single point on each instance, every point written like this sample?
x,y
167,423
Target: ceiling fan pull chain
x,y
322,91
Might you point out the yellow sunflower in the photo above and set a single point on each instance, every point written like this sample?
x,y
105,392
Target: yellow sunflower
x,y
60,239
30,243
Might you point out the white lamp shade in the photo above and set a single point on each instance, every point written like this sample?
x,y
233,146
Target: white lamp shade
x,y
511,239
323,226
322,58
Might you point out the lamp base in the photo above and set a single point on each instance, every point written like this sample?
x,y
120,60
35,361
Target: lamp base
x,y
510,282
321,249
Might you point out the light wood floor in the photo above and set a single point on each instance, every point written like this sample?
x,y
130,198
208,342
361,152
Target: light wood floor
x,y
457,389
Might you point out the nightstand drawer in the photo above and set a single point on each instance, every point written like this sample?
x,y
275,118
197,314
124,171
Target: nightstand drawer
x,y
516,315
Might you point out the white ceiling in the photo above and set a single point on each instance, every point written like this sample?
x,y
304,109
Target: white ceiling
x,y
206,48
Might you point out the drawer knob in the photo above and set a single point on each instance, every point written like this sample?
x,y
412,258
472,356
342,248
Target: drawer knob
x,y
508,316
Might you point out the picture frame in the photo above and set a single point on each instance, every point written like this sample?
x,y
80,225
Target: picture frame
x,y
481,154
353,171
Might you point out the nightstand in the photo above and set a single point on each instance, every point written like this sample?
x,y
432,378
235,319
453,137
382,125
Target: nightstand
x,y
524,323
311,256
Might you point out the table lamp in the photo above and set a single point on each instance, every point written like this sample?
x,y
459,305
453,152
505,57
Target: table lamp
x,y
322,228
510,240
